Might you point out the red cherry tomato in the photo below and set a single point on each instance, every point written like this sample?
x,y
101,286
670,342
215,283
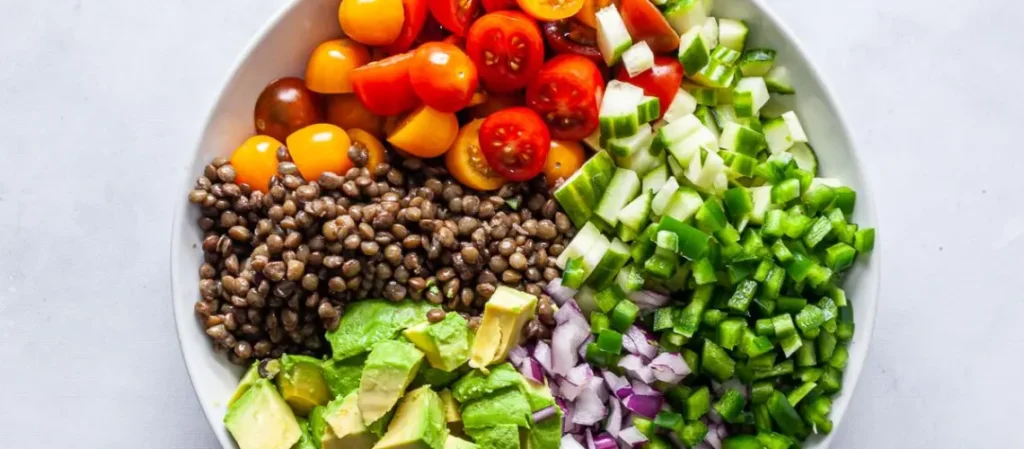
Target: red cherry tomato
x,y
660,81
571,37
443,76
515,143
645,23
567,93
432,32
415,18
384,86
500,5
455,15
284,106
507,48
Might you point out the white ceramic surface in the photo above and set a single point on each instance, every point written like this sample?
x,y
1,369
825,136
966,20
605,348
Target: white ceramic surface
x,y
282,48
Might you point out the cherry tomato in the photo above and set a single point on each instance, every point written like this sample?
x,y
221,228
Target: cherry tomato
x,y
455,15
515,143
645,23
571,37
426,132
507,48
284,106
466,162
330,68
565,158
255,162
320,148
432,31
372,22
500,5
660,81
348,112
415,12
588,13
384,86
495,103
443,76
375,152
567,93
551,9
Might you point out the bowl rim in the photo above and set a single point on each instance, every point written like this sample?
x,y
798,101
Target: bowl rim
x,y
856,365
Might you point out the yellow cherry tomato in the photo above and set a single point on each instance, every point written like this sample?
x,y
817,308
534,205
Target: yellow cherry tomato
x,y
588,13
375,151
548,10
255,162
320,148
331,65
426,132
466,162
372,22
349,113
565,157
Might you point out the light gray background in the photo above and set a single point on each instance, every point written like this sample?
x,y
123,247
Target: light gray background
x,y
101,101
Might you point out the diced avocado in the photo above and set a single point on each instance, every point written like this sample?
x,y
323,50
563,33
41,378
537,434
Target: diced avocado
x,y
434,377
418,424
306,440
537,395
302,383
546,434
344,425
389,369
451,407
508,406
505,314
454,442
445,343
505,436
271,367
261,419
342,376
476,384
367,323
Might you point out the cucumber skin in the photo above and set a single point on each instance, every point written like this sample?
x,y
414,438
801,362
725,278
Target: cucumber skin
x,y
613,260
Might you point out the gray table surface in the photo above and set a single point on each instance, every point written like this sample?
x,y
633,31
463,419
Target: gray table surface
x,y
101,101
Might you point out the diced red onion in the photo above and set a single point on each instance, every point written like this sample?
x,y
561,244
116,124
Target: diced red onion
x,y
648,299
630,435
713,439
589,439
636,368
573,384
569,311
532,370
542,352
605,441
589,407
641,388
735,384
572,331
717,388
618,385
570,411
554,387
669,367
646,406
614,423
722,431
544,413
568,442
637,342
714,417
517,355
558,292
703,445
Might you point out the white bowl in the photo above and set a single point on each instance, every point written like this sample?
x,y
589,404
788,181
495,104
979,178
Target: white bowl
x,y
282,48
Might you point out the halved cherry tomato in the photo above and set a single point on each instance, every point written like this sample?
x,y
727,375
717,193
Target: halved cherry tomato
x,y
443,76
567,93
384,86
255,162
660,81
455,15
588,13
565,158
375,152
330,68
495,103
507,48
645,23
284,106
415,12
515,143
320,148
348,112
426,132
466,162
551,9
372,22
500,5
571,37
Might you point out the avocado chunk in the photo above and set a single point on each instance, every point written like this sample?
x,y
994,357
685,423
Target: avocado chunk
x,y
342,376
508,406
367,323
445,343
266,369
451,407
546,434
502,436
302,384
454,442
344,425
505,314
434,377
538,395
390,368
418,423
261,419
476,384
306,440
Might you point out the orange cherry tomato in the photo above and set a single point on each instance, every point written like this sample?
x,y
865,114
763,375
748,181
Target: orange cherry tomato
x,y
551,9
496,102
565,157
284,106
415,17
384,86
466,162
320,148
255,162
426,132
455,15
372,22
330,68
443,76
588,13
348,112
375,151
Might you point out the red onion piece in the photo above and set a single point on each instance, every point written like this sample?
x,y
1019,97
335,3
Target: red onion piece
x,y
542,353
630,435
605,441
569,311
712,438
669,367
636,368
648,299
544,413
532,370
517,355
619,386
575,381
637,342
589,407
614,423
646,406
582,351
644,389
735,384
568,442
571,331
558,292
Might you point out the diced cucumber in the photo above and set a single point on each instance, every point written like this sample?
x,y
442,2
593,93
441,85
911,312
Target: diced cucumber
x,y
715,74
626,233
829,182
779,81
655,179
678,130
642,161
638,59
683,104
756,61
625,186
637,213
703,95
773,108
711,167
739,164
762,199
580,194
684,204
626,146
726,55
724,115
690,147
686,14
612,37
710,30
663,196
783,132
704,114
588,236
630,279
618,116
749,95
694,51
675,168
732,33
741,139
594,141
611,262
593,256
648,109
805,158
795,128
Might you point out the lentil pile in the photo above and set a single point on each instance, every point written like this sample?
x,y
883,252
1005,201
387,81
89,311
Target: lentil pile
x,y
279,267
